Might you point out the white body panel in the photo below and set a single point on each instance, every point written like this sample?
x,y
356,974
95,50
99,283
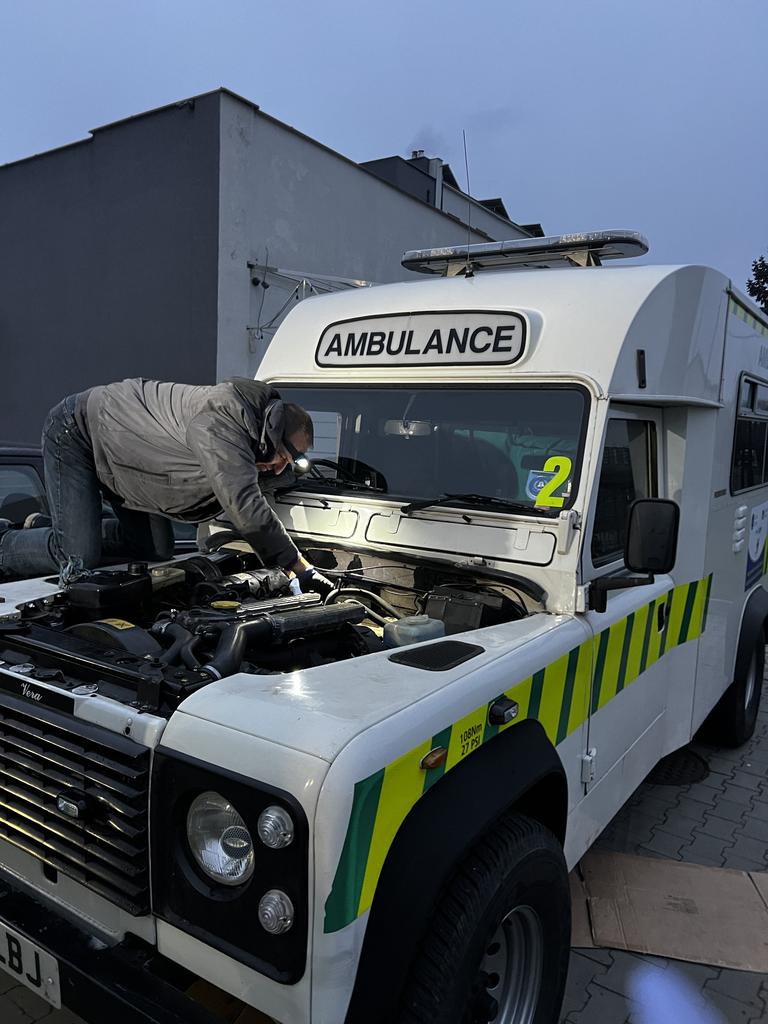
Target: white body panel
x,y
672,312
320,711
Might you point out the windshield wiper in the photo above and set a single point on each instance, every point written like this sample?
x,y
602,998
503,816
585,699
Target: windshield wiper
x,y
481,500
334,483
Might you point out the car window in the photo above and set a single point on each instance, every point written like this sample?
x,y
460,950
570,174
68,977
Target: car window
x,y
628,472
21,493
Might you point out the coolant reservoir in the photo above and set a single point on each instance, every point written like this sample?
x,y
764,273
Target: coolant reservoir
x,y
166,576
413,629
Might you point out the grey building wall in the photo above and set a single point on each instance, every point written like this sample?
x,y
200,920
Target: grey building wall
x,y
108,268
130,253
290,202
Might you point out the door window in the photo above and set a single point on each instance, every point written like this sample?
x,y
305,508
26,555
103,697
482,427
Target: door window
x,y
749,465
628,472
21,493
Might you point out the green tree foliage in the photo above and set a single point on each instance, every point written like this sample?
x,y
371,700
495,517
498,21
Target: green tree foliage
x,y
757,285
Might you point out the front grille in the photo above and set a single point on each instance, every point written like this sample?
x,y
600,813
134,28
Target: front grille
x,y
44,755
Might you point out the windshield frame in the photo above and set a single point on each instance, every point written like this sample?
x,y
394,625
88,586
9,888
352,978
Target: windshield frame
x,y
542,512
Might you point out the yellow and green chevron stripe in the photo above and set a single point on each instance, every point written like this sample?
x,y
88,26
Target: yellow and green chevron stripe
x,y
744,314
561,696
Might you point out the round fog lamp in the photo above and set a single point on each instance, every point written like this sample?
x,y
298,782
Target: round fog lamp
x,y
219,840
275,828
275,912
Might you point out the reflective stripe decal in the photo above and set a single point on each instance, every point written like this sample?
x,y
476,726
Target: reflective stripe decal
x,y
736,309
402,786
552,695
580,703
341,906
570,686
624,662
560,695
636,644
602,651
537,687
687,615
651,609
612,666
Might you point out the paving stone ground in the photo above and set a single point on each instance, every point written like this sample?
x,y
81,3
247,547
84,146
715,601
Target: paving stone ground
x,y
720,822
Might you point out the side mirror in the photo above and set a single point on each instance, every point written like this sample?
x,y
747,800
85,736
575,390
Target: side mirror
x,y
652,528
650,547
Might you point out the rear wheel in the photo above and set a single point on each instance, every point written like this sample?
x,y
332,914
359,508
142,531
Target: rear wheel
x,y
498,945
733,719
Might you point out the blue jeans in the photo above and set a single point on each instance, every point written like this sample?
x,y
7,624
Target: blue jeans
x,y
80,537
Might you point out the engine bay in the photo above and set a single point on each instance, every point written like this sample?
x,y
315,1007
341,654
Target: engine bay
x,y
150,636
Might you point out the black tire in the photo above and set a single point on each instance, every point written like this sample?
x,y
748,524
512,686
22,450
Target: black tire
x,y
733,719
511,892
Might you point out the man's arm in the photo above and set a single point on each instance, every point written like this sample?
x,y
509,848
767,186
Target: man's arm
x,y
220,440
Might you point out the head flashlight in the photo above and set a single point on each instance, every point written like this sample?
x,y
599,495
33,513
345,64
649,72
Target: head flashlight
x,y
301,463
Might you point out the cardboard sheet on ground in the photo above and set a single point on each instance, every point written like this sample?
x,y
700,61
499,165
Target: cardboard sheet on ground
x,y
665,908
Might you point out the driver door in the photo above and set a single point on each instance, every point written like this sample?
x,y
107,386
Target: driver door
x,y
630,680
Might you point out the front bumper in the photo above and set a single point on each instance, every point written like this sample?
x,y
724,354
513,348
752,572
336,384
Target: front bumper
x,y
130,983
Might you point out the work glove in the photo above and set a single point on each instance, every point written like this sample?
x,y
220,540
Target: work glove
x,y
311,580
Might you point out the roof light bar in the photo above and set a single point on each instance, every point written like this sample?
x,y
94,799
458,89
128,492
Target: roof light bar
x,y
584,249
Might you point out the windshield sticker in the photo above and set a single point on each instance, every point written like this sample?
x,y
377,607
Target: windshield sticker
x,y
424,339
757,552
554,475
537,478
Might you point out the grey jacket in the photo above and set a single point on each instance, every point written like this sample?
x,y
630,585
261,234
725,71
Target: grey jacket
x,y
189,453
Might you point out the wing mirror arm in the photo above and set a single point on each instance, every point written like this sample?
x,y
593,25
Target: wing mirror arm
x,y
598,589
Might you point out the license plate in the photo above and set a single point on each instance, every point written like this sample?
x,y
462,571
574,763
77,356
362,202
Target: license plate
x,y
30,965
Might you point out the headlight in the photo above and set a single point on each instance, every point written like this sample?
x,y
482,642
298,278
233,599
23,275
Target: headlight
x,y
220,842
230,864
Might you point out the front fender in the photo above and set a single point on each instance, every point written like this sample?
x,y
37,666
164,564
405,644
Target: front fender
x,y
517,768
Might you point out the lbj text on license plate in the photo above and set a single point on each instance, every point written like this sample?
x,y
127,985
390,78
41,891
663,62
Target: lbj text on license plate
x,y
30,965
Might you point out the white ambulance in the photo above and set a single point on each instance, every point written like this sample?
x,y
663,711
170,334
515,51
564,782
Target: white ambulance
x,y
364,809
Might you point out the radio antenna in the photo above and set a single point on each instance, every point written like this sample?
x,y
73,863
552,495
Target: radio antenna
x,y
468,272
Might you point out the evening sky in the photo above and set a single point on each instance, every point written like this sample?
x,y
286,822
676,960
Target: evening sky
x,y
580,114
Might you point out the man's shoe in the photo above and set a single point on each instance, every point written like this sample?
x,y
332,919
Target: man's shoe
x,y
36,520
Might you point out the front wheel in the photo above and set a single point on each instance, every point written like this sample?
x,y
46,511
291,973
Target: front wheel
x,y
498,944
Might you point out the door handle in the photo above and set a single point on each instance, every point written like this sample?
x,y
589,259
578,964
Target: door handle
x,y
661,615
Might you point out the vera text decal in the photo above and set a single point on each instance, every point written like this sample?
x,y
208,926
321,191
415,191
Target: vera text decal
x,y
424,339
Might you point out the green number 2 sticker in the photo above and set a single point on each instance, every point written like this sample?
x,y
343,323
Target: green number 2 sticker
x,y
561,467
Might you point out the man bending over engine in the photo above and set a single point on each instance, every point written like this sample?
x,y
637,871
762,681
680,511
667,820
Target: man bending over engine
x,y
159,451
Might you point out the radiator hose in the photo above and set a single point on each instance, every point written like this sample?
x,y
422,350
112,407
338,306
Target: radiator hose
x,y
179,635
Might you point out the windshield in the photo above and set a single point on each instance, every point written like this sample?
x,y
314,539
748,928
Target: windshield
x,y
519,444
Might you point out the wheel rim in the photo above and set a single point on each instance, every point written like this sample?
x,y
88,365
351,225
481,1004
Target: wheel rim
x,y
510,973
749,689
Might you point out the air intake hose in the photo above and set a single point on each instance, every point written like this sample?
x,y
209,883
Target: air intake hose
x,y
238,636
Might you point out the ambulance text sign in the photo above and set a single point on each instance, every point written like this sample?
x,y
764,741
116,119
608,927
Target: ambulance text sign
x,y
452,338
